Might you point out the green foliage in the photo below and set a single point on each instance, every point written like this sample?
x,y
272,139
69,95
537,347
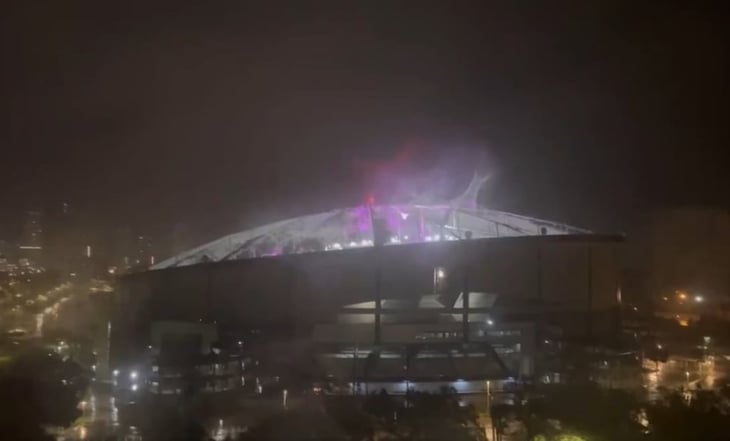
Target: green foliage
x,y
28,404
585,411
39,390
304,423
422,416
173,425
378,416
352,418
703,417
600,414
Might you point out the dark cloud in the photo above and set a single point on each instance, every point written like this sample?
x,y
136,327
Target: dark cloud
x,y
228,114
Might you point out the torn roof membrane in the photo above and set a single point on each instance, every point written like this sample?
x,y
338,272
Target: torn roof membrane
x,y
459,218
353,228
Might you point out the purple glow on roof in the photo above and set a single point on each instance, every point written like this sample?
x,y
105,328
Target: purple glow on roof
x,y
392,219
344,228
364,223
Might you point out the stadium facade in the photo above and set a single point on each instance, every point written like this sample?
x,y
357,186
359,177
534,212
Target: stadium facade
x,y
347,280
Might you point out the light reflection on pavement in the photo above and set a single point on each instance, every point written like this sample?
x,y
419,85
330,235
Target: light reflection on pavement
x,y
684,372
99,417
100,414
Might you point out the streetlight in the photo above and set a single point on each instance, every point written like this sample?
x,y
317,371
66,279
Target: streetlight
x,y
699,299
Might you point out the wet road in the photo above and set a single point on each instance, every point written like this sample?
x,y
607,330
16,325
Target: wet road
x,y
99,419
100,414
683,372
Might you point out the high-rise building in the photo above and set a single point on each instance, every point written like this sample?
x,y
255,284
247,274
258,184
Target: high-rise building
x,y
4,255
5,249
144,256
123,248
65,238
30,243
180,240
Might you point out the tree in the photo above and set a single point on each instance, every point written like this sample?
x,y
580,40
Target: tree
x,y
436,416
587,411
572,409
172,425
371,363
30,404
381,406
296,425
416,414
39,390
703,417
350,416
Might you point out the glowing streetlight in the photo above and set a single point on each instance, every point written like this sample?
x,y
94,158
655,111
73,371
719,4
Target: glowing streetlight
x,y
699,299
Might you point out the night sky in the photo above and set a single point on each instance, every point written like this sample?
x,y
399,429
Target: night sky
x,y
224,115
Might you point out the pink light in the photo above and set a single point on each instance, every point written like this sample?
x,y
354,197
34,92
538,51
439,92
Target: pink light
x,y
362,215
